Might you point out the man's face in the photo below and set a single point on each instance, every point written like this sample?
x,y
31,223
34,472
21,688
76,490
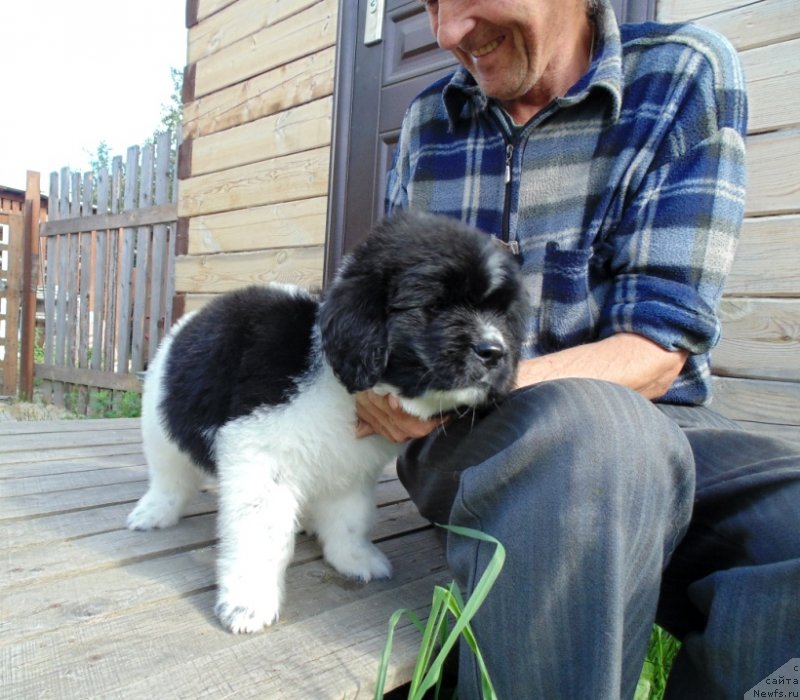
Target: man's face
x,y
508,45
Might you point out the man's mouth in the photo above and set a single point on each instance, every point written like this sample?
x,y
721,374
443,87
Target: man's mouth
x,y
487,48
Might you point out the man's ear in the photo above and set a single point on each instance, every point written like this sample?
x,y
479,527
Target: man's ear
x,y
352,321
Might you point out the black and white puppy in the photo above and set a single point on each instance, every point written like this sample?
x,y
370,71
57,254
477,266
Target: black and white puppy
x,y
258,388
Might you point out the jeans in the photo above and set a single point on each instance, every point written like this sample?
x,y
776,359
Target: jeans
x,y
615,513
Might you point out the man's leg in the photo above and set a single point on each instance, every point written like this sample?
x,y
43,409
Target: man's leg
x,y
589,487
732,589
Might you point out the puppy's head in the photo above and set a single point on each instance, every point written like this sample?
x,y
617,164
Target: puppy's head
x,y
429,309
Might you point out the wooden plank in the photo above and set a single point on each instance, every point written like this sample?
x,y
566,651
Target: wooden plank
x,y
113,252
237,21
306,79
62,474
756,23
773,175
60,439
125,275
38,504
227,271
85,281
142,263
767,259
197,301
14,459
73,245
773,85
99,379
171,303
50,282
66,426
13,299
55,484
789,433
298,223
99,265
758,401
62,289
73,276
760,339
53,528
163,213
158,321
296,176
206,8
24,457
688,10
292,131
299,35
33,264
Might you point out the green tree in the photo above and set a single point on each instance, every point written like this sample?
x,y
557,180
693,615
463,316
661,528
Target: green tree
x,y
172,111
171,114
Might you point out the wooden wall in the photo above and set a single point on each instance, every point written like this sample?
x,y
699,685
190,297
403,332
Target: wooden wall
x,y
758,361
257,131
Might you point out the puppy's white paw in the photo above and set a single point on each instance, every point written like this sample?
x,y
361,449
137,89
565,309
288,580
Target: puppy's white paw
x,y
359,560
155,510
246,616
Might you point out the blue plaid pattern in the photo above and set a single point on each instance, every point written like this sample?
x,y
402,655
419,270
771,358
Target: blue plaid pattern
x,y
625,197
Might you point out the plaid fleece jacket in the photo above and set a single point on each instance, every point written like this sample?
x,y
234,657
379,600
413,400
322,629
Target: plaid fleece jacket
x,y
624,198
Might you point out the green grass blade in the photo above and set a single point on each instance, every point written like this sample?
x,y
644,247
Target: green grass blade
x,y
468,610
380,682
446,602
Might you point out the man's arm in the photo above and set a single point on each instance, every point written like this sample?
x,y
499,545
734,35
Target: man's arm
x,y
627,359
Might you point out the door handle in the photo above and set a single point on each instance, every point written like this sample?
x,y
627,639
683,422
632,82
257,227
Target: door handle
x,y
373,27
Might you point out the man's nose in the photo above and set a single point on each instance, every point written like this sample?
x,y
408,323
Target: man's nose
x,y
451,23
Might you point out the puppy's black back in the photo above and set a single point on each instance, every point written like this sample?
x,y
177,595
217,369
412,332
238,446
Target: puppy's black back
x,y
245,349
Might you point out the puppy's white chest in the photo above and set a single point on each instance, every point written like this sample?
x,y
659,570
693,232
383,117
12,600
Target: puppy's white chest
x,y
309,443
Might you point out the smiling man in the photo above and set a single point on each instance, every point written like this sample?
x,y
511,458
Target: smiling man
x,y
611,160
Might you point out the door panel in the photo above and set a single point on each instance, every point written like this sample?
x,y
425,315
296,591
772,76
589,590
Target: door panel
x,y
374,85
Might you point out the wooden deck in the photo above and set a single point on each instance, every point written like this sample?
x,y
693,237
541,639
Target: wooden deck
x,y
89,609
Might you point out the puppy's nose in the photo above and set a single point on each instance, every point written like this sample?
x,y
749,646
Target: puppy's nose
x,y
490,351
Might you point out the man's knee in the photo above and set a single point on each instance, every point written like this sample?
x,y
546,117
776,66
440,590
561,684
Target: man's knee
x,y
584,442
597,423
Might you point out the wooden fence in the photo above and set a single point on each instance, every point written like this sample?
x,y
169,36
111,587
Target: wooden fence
x,y
11,257
108,253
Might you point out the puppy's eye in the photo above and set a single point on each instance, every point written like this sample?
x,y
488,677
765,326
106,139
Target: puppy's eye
x,y
499,299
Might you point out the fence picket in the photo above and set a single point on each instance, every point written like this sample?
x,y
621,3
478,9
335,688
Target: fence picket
x,y
49,278
99,266
141,263
107,299
126,266
85,277
109,344
160,312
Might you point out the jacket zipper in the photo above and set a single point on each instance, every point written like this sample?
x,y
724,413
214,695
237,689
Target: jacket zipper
x,y
506,232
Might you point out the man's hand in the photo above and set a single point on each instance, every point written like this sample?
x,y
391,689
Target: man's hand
x,y
383,415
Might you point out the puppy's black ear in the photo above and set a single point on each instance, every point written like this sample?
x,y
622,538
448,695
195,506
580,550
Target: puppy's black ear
x,y
352,321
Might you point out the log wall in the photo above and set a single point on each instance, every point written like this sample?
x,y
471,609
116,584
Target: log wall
x,y
257,134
